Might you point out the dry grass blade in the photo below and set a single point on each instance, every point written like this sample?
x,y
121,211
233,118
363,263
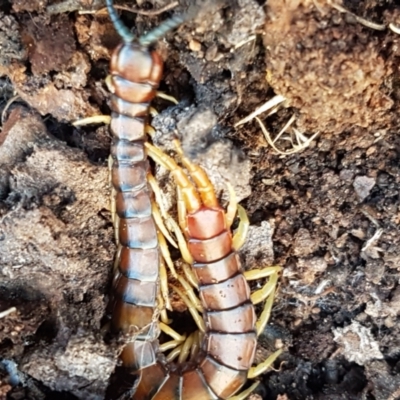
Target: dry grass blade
x,y
394,28
7,312
270,104
302,141
363,21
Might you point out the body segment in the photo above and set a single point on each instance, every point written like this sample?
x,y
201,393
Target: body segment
x,y
135,74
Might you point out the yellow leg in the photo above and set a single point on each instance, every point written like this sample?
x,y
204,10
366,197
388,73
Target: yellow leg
x,y
199,176
260,295
170,221
116,229
149,130
172,344
240,236
164,96
243,395
182,243
193,301
196,345
165,254
181,210
268,290
96,119
264,366
190,195
192,297
254,274
160,224
113,205
232,206
174,353
159,197
108,82
116,260
162,310
171,332
153,112
192,309
190,276
164,316
184,354
164,286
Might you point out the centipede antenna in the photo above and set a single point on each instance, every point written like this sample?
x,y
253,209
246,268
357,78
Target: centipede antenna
x,y
119,26
162,30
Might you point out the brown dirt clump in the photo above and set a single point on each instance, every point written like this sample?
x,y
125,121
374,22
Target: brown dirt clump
x,y
331,69
55,255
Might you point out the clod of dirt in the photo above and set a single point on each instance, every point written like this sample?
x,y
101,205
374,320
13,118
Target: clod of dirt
x,y
67,6
258,249
82,367
376,308
310,268
63,104
96,36
51,46
31,310
304,243
374,270
384,385
249,16
19,132
358,344
10,42
331,70
56,254
28,5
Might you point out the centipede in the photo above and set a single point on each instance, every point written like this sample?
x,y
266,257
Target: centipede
x,y
135,73
222,351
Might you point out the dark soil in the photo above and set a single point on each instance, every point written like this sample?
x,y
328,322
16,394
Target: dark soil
x,y
332,209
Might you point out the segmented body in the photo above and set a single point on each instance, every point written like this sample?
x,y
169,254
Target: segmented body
x,y
221,366
135,74
220,369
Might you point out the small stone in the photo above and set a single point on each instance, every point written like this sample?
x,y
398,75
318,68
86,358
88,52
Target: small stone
x,y
194,45
363,185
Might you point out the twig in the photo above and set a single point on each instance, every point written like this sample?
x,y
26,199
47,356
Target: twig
x,y
296,148
374,239
5,109
265,107
7,312
363,21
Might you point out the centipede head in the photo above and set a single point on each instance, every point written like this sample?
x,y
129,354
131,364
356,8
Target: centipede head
x,y
136,63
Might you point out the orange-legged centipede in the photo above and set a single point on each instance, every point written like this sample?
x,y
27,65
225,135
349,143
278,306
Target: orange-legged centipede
x,y
222,364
